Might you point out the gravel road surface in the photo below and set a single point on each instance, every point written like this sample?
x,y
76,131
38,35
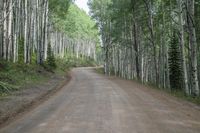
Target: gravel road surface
x,y
93,103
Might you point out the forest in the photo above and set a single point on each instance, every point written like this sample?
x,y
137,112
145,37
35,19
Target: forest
x,y
152,41
28,27
43,33
99,66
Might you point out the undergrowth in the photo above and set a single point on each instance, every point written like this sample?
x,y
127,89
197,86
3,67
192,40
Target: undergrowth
x,y
15,76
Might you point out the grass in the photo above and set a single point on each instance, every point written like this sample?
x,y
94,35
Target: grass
x,y
15,76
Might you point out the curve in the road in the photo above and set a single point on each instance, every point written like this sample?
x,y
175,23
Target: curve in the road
x,y
93,103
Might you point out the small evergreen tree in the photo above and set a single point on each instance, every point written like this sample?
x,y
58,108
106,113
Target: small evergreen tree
x,y
51,62
175,70
21,50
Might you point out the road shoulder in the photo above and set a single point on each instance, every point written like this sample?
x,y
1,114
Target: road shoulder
x,y
20,102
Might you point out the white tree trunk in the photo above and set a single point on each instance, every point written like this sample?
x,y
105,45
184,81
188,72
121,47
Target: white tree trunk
x,y
193,43
25,29
182,45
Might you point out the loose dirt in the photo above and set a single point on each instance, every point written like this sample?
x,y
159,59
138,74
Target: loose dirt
x,y
93,103
22,101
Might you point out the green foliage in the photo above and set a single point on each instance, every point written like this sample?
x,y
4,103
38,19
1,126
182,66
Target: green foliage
x,y
21,50
77,25
34,57
14,76
175,64
51,62
72,61
7,88
59,7
74,23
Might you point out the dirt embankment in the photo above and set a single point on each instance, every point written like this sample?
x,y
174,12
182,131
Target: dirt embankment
x,y
22,101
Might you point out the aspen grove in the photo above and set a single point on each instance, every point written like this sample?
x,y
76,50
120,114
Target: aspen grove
x,y
27,27
154,41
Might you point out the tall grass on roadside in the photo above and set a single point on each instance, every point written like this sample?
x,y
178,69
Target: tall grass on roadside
x,y
15,76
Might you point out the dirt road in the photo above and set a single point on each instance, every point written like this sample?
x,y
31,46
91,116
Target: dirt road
x,y
93,103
